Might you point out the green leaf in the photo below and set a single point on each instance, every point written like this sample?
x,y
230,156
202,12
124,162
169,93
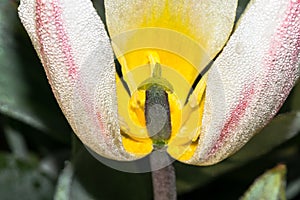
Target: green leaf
x,y
20,179
281,129
16,142
25,94
271,185
63,188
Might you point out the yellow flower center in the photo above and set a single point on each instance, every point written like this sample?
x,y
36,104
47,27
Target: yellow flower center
x,y
180,65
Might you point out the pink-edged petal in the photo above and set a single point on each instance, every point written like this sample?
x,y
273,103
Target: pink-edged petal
x,y
251,79
75,51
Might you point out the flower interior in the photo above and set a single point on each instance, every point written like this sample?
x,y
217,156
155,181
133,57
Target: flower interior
x,y
160,65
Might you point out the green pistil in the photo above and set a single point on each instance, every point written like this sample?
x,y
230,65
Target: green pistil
x,y
157,108
156,79
159,144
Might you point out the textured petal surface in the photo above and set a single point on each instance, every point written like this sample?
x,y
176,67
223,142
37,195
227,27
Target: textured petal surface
x,y
251,78
74,48
209,23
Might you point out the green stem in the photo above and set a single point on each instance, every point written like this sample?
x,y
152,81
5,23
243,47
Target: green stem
x,y
164,183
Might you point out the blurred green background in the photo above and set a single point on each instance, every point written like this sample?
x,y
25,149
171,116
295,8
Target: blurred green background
x,y
40,158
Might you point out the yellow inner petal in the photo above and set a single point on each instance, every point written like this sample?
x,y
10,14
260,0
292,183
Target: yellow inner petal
x,y
185,118
173,18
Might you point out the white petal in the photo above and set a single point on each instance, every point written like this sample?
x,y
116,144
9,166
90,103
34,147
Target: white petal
x,y
74,48
251,79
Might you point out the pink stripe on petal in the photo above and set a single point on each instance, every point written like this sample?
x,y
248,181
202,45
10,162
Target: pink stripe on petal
x,y
54,17
62,36
288,36
233,120
281,65
49,15
75,51
39,21
284,52
105,132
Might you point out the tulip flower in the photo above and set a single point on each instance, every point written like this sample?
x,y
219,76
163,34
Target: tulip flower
x,y
175,87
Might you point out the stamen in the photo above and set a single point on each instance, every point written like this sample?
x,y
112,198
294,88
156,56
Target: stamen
x,y
153,59
156,71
